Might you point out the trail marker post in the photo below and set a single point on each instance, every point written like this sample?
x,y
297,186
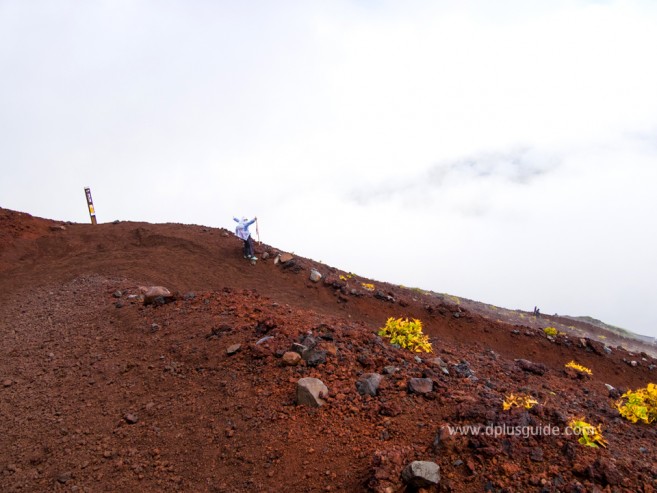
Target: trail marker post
x,y
90,204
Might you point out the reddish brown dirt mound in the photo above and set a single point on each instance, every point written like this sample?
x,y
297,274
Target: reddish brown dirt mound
x,y
100,392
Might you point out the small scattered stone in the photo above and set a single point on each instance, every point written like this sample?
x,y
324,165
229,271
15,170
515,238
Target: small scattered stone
x,y
531,367
368,384
311,392
263,340
331,348
309,341
315,357
421,474
156,295
234,348
315,276
440,363
463,369
420,385
291,358
117,294
380,295
285,257
298,348
131,418
614,393
444,439
7,383
64,477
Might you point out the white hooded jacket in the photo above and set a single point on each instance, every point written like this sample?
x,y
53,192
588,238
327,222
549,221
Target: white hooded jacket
x,y
242,228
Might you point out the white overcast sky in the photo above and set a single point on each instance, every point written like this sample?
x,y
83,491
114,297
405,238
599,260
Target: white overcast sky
x,y
501,151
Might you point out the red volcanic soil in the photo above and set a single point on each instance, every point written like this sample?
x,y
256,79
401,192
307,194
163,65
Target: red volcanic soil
x,y
100,392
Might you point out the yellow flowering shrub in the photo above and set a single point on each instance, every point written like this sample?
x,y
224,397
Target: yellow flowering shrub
x,y
407,334
367,286
579,368
550,331
640,405
589,435
520,400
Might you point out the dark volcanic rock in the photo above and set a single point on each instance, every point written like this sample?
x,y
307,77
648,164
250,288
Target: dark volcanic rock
x,y
368,384
531,367
420,385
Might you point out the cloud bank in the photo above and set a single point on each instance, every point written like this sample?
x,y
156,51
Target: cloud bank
x,y
500,151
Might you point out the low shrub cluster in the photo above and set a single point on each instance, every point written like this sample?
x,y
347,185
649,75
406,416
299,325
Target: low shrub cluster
x,y
579,368
407,334
550,331
640,405
589,435
520,400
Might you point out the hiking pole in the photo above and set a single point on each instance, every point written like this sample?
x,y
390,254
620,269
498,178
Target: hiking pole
x,y
257,231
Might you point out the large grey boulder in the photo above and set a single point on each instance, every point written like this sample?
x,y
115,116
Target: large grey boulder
x,y
421,474
311,392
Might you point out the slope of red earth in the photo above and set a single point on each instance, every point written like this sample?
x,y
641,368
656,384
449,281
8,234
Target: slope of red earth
x,y
102,393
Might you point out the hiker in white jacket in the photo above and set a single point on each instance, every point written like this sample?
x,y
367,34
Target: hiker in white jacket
x,y
242,232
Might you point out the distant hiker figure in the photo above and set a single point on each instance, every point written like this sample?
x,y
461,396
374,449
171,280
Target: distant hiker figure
x,y
537,312
242,231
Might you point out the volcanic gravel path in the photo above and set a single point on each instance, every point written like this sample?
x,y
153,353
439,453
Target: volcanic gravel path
x,y
102,393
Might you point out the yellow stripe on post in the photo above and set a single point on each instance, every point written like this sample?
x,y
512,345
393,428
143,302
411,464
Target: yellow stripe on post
x,y
90,205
